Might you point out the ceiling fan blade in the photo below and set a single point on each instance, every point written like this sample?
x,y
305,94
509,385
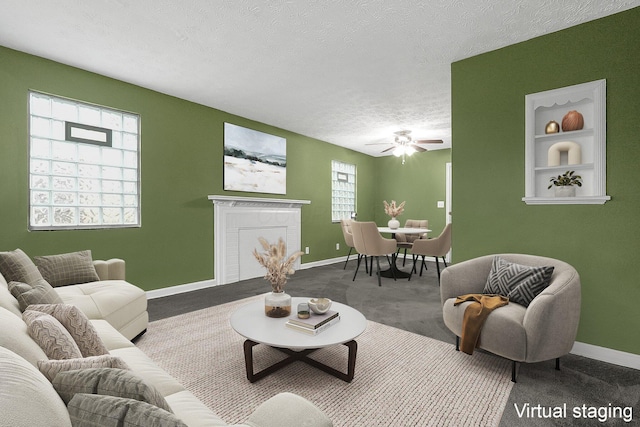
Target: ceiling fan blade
x,y
428,141
418,148
388,149
379,143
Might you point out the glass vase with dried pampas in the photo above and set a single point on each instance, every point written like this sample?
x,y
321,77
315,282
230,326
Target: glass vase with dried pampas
x,y
279,267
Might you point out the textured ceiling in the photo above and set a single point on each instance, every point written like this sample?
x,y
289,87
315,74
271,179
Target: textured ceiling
x,y
349,72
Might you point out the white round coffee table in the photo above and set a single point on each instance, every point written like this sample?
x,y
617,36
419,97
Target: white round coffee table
x,y
251,322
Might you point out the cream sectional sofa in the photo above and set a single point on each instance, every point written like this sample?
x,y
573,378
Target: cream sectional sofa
x,y
111,298
27,397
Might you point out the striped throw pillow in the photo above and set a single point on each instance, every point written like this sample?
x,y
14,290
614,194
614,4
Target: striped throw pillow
x,y
520,283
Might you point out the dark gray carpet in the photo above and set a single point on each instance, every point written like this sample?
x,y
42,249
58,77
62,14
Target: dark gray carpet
x,y
584,385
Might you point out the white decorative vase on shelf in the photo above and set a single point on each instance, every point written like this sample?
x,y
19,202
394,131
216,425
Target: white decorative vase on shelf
x,y
565,191
393,223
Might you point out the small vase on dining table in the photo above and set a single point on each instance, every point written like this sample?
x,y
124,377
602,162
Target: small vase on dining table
x,y
393,223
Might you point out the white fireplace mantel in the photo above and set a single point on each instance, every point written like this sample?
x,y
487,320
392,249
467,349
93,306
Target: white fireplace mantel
x,y
257,201
240,221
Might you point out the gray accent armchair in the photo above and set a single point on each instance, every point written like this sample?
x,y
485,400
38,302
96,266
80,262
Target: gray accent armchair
x,y
543,331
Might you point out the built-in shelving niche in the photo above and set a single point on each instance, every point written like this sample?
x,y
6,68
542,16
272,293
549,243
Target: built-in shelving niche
x,y
589,99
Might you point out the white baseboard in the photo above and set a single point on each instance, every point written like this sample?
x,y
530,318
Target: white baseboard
x,y
608,355
180,289
323,262
344,258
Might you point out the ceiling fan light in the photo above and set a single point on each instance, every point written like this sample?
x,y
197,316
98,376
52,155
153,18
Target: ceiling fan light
x,y
399,151
409,150
403,139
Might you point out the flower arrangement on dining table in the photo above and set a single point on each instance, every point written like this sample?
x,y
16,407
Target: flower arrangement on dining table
x,y
392,209
275,260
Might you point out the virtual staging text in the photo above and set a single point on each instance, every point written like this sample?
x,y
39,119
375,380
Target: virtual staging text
x,y
600,413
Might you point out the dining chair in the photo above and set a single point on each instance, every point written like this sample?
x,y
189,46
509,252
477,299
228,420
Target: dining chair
x,y
436,247
348,240
405,241
368,242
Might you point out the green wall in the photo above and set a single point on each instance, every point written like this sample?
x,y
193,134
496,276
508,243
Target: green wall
x,y
420,182
602,241
181,164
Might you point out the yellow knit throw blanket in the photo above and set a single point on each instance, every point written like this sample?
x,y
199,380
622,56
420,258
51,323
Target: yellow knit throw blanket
x,y
475,315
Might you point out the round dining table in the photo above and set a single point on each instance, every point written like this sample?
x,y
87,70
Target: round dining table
x,y
394,271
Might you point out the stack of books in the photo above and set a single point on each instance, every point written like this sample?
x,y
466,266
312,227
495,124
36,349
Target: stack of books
x,y
314,324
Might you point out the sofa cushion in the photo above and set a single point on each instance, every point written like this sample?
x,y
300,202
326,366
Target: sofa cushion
x,y
192,411
520,283
288,409
503,332
90,410
116,301
67,269
14,336
50,335
111,338
27,398
7,300
148,370
51,368
40,292
107,381
78,326
17,266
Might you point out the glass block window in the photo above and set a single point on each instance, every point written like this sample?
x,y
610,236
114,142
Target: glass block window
x,y
343,190
84,165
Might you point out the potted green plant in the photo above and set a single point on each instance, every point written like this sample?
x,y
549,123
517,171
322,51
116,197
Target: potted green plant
x,y
565,184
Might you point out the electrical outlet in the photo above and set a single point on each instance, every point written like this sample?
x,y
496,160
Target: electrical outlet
x,y
337,246
440,204
306,250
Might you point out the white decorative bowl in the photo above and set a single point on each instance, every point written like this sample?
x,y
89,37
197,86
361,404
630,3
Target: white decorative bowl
x,y
319,305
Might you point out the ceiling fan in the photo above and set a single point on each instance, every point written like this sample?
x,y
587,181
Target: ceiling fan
x,y
403,144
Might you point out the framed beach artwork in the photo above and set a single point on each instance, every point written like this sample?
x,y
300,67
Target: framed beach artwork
x,y
254,161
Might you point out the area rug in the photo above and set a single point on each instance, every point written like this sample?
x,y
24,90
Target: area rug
x,y
401,378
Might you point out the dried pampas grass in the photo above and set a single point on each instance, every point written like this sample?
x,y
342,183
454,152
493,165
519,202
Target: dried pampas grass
x,y
392,210
275,260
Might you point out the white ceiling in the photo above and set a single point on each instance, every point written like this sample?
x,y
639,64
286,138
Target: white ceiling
x,y
349,72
